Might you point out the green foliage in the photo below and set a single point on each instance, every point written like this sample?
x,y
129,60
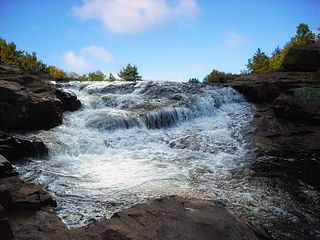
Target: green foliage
x,y
216,76
96,76
29,62
58,73
130,73
193,81
8,53
304,36
259,63
262,63
111,78
83,77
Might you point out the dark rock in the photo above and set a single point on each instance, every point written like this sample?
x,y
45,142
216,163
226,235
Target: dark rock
x,y
172,218
6,169
5,197
15,148
261,232
302,59
23,109
265,87
299,104
69,100
5,229
25,195
32,102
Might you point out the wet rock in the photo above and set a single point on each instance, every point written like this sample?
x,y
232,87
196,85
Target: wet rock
x,y
172,218
69,100
15,148
6,169
302,59
24,195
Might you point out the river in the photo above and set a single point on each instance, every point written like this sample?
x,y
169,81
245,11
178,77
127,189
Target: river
x,y
135,141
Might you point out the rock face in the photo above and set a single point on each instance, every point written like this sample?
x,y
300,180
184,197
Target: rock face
x,y
15,148
6,169
29,103
299,104
165,218
176,218
266,87
302,59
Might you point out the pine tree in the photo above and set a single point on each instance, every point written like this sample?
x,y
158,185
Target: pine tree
x,y
304,36
259,63
130,73
111,78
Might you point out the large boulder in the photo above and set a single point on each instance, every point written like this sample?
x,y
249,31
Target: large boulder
x,y
302,59
30,103
169,218
21,195
15,148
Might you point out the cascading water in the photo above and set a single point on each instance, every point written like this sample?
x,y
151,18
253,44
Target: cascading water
x,y
136,141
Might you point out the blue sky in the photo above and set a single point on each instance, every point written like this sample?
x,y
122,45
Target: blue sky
x,y
165,39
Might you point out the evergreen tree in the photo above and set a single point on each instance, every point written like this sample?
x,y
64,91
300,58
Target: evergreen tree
x,y
259,63
111,78
130,73
8,53
96,76
304,36
29,62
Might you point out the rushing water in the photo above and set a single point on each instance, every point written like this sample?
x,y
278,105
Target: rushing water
x,y
135,141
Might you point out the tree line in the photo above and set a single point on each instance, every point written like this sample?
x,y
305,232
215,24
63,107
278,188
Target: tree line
x,y
261,62
29,62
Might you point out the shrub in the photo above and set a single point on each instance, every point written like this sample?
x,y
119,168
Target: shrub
x,y
193,81
215,76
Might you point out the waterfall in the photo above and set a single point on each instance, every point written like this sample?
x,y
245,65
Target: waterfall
x,y
134,141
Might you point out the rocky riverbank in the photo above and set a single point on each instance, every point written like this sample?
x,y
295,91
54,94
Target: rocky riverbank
x,y
286,135
29,103
285,154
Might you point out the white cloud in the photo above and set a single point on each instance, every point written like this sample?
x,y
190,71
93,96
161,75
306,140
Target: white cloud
x,y
97,53
90,58
133,16
231,40
75,63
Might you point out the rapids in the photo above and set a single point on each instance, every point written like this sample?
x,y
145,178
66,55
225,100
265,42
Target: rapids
x,y
135,141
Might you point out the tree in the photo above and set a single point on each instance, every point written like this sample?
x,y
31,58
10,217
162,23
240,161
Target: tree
x,y
130,73
8,53
215,76
29,62
58,73
194,81
96,76
259,63
111,78
304,36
